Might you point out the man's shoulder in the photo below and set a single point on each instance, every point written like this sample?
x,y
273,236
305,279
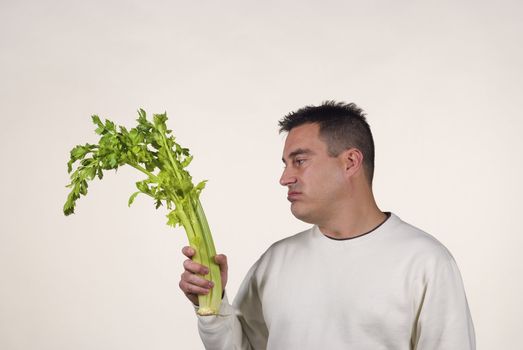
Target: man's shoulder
x,y
416,241
277,252
288,244
395,236
297,239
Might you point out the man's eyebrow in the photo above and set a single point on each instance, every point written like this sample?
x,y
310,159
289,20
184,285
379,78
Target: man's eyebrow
x,y
298,152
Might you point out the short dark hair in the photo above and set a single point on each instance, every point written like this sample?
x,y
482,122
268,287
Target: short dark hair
x,y
342,126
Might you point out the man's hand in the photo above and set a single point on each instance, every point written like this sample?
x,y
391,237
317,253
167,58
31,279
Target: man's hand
x,y
193,285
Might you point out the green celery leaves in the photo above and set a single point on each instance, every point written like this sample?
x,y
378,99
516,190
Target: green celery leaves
x,y
150,148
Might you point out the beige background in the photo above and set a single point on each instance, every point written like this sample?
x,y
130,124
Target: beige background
x,y
441,82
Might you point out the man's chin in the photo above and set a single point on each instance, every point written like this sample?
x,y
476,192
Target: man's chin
x,y
300,213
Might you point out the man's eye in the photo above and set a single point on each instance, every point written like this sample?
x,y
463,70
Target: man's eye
x,y
299,161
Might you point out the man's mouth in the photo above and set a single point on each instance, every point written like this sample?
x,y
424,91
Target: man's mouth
x,y
293,195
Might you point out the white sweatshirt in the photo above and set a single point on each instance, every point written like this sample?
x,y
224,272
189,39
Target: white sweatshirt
x,y
395,287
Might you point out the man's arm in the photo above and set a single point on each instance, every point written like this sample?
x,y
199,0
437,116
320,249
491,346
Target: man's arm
x,y
444,320
241,327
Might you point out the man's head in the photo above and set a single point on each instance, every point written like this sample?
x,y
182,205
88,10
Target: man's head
x,y
329,160
342,126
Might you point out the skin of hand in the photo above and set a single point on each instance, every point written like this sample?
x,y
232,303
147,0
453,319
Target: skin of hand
x,y
193,285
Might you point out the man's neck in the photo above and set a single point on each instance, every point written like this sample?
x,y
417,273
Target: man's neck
x,y
352,223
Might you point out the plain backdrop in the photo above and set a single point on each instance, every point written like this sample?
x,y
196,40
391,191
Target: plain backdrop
x,y
441,82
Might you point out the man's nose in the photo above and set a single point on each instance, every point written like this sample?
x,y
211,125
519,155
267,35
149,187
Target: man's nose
x,y
287,178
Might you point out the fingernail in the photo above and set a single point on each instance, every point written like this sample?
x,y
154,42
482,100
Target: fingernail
x,y
211,284
205,271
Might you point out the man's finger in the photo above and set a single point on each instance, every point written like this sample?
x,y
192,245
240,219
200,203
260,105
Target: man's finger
x,y
193,267
189,289
188,251
221,260
196,280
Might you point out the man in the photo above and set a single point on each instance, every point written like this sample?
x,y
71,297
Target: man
x,y
358,279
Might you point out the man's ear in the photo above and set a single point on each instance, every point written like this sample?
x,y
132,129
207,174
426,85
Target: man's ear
x,y
352,159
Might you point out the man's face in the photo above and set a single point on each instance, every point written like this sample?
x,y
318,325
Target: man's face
x,y
315,180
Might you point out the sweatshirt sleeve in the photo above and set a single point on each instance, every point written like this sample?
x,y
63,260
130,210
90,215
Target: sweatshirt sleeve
x,y
239,326
444,320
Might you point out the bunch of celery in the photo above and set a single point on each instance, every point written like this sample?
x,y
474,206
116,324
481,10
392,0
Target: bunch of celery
x,y
151,149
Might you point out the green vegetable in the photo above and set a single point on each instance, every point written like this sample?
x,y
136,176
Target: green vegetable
x,y
151,149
